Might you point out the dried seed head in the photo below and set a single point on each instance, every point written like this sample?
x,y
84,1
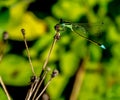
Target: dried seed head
x,y
54,73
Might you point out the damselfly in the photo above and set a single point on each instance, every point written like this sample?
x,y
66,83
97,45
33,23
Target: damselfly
x,y
62,25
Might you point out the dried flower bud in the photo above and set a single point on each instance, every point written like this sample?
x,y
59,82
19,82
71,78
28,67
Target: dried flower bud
x,y
23,31
54,73
5,36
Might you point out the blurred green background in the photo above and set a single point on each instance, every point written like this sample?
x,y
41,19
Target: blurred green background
x,y
86,72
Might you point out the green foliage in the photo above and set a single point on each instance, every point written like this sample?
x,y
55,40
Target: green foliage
x,y
13,69
2,95
102,72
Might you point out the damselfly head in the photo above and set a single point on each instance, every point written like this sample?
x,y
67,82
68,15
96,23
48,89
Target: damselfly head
x,y
59,27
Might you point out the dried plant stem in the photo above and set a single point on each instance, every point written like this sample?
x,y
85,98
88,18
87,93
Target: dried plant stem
x,y
53,75
3,43
29,57
56,37
3,85
46,61
43,89
78,82
35,85
32,89
29,92
28,53
38,85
